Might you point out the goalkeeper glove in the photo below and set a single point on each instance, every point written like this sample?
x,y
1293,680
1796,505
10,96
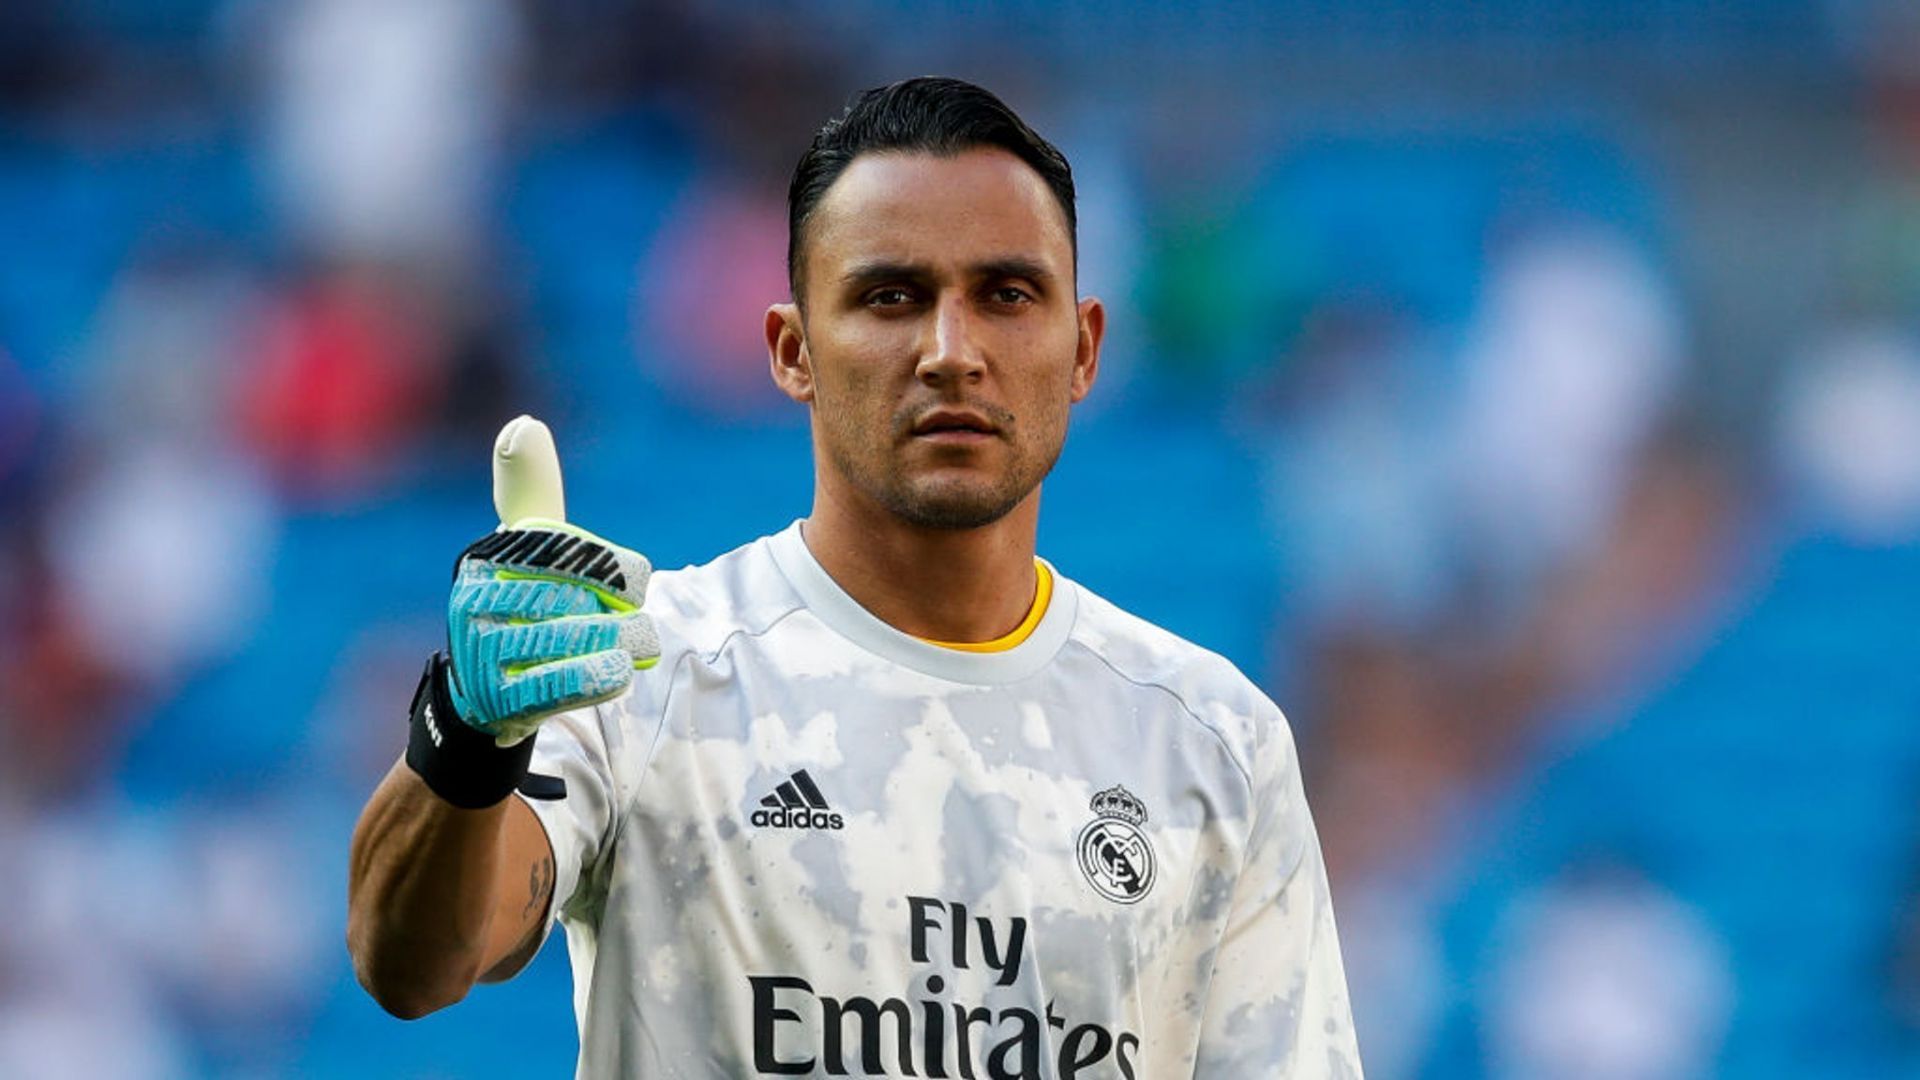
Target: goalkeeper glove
x,y
543,617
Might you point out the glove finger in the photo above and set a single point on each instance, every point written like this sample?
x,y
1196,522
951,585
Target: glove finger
x,y
640,640
557,551
565,684
524,645
637,640
514,648
479,595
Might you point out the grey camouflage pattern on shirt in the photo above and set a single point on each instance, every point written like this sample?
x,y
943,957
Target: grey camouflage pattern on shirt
x,y
953,896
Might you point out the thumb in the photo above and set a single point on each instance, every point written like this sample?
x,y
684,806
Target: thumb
x,y
526,474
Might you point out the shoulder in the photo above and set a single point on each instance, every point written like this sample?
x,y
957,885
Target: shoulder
x,y
1208,687
1150,655
700,607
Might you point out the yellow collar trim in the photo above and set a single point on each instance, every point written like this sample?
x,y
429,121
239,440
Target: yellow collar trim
x,y
1042,593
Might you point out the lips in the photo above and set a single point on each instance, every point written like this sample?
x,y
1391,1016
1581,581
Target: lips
x,y
954,422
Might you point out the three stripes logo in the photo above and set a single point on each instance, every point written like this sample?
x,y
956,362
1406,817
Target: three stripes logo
x,y
797,804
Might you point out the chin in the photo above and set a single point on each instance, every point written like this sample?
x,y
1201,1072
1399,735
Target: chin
x,y
954,510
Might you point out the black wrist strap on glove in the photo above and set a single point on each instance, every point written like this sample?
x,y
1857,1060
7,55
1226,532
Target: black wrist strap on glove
x,y
462,764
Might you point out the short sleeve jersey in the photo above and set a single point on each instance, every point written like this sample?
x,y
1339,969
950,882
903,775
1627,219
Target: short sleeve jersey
x,y
806,844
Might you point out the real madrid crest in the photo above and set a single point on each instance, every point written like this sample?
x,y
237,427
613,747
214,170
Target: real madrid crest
x,y
1113,850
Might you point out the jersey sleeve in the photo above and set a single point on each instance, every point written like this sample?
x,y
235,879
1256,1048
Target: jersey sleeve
x,y
1277,1005
573,747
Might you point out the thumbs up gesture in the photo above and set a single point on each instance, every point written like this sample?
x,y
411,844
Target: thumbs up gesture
x,y
544,616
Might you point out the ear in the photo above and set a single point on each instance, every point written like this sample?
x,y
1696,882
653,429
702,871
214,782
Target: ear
x,y
1086,359
787,352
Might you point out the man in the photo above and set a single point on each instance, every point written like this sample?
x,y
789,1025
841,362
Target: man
x,y
897,798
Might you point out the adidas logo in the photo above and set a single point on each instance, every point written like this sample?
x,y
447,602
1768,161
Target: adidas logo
x,y
797,804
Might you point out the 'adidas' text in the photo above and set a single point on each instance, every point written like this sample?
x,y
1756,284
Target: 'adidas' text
x,y
796,804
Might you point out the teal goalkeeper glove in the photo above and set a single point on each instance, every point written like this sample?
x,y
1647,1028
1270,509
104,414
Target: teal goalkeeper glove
x,y
543,617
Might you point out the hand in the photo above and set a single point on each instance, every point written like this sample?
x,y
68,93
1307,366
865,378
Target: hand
x,y
544,616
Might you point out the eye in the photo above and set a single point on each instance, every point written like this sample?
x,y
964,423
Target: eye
x,y
1011,295
888,296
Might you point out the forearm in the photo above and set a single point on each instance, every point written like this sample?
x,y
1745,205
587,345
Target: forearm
x,y
450,876
421,895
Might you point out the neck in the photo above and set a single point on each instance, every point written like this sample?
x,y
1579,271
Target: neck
x,y
958,585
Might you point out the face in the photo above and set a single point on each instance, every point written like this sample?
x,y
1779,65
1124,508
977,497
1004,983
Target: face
x,y
941,346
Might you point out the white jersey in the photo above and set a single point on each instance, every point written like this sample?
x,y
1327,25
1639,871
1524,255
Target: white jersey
x,y
806,844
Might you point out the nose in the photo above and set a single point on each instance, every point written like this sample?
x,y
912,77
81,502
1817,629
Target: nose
x,y
950,353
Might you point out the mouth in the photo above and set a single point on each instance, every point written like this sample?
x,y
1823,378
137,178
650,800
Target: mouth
x,y
959,426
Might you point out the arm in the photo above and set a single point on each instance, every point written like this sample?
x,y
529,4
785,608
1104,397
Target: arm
x,y
439,898
1277,1004
450,877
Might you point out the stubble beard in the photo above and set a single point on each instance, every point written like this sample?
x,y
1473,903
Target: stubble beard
x,y
936,502
948,507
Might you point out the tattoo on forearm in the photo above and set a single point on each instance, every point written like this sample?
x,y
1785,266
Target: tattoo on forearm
x,y
539,882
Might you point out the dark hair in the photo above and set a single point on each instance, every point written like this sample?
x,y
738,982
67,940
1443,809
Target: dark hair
x,y
925,115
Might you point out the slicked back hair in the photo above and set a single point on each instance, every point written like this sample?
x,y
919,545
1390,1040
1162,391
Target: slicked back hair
x,y
927,115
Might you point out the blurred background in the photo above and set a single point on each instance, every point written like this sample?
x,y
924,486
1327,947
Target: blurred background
x,y
1526,393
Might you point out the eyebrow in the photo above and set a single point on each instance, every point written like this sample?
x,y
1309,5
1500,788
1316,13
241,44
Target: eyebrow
x,y
861,275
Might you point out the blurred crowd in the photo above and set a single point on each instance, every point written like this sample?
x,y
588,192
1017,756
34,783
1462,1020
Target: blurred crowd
x,y
1546,377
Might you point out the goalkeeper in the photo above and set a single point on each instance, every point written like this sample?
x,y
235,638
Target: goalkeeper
x,y
881,794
